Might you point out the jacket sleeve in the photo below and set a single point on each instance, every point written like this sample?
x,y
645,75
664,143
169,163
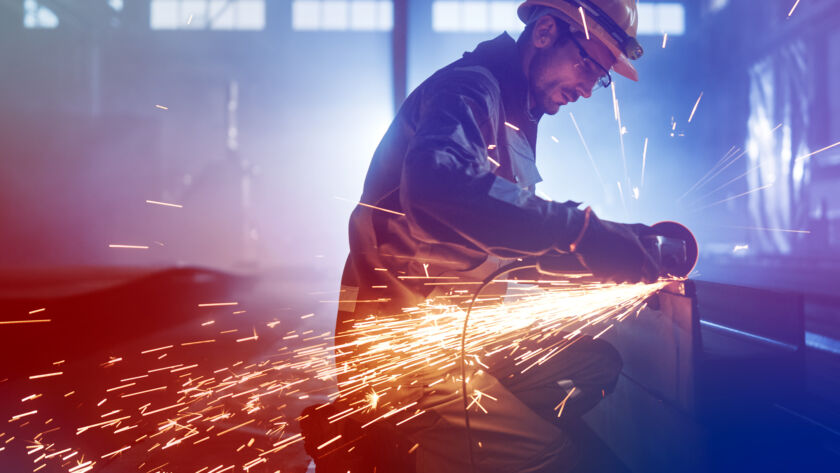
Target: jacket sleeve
x,y
448,190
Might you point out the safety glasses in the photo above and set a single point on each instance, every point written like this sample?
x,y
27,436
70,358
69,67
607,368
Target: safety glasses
x,y
594,68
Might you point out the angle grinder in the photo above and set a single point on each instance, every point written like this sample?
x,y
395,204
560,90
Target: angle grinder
x,y
673,247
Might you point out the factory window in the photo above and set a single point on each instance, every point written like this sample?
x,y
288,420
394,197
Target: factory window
x,y
334,15
475,17
36,15
496,16
659,18
207,15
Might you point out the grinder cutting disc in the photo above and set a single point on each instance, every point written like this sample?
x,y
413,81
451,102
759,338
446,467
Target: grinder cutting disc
x,y
678,265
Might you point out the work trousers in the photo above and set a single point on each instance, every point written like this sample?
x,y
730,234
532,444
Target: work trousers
x,y
589,366
521,430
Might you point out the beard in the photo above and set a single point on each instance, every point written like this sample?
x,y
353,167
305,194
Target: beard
x,y
543,103
542,106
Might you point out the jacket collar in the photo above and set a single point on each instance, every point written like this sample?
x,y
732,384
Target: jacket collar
x,y
501,57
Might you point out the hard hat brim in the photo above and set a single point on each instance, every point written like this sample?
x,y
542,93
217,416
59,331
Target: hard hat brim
x,y
570,15
625,68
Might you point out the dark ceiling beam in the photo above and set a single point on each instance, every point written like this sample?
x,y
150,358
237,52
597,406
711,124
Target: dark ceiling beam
x,y
399,56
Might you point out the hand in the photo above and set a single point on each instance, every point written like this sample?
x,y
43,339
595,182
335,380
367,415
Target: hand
x,y
613,251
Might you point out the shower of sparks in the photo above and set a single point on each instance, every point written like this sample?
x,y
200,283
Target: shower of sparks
x,y
664,39
694,110
731,181
371,206
727,160
424,348
37,310
733,158
589,154
740,248
793,8
161,107
817,151
148,408
636,193
512,126
131,247
555,139
583,19
495,163
189,20
164,204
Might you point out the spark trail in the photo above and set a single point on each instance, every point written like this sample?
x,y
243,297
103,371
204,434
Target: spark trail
x,y
167,403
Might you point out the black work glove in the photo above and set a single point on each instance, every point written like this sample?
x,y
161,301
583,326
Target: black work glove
x,y
614,252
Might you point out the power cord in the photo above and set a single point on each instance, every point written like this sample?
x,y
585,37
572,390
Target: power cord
x,y
525,264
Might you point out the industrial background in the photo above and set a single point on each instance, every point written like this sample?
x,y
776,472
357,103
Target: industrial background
x,y
256,119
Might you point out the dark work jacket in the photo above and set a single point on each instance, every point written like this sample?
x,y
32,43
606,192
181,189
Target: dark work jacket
x,y
442,202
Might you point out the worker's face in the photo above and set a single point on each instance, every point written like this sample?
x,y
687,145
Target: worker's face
x,y
558,74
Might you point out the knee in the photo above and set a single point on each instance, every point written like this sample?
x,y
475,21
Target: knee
x,y
610,363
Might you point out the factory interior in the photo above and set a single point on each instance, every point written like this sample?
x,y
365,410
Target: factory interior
x,y
177,178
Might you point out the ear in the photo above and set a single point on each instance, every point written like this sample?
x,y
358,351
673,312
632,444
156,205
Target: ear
x,y
545,32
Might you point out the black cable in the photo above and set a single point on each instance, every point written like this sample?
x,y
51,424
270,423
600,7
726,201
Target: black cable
x,y
487,281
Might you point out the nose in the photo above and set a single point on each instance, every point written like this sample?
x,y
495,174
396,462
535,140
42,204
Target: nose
x,y
583,91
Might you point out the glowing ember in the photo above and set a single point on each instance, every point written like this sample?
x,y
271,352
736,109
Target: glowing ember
x,y
793,8
33,321
164,204
583,19
694,110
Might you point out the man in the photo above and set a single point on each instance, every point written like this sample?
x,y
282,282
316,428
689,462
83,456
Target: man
x,y
450,194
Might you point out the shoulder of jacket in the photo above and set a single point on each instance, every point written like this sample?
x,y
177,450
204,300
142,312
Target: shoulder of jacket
x,y
475,79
